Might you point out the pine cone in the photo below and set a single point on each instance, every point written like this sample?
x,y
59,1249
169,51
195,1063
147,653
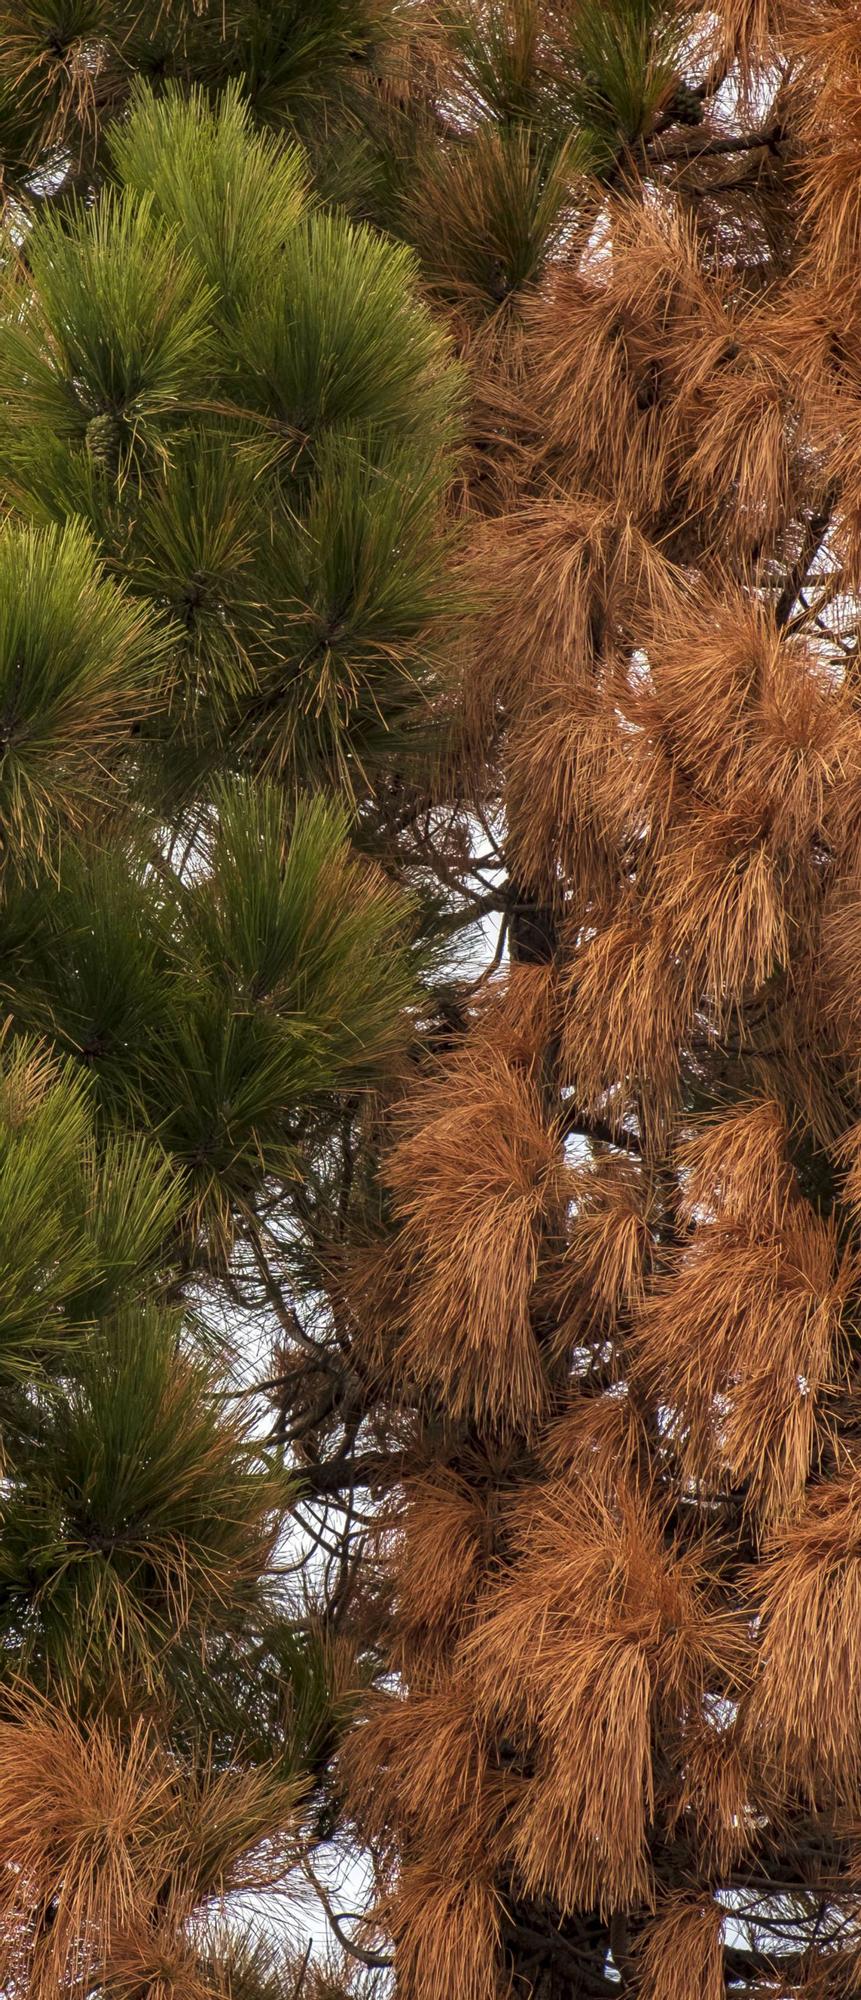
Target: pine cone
x,y
104,439
685,107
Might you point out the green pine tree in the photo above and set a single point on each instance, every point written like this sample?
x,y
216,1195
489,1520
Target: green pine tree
x,y
227,435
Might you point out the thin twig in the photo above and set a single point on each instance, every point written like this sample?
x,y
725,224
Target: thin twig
x,y
306,1960
815,533
375,1960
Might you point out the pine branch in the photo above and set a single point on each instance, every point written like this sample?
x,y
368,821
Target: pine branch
x,y
814,537
751,1965
377,1471
695,146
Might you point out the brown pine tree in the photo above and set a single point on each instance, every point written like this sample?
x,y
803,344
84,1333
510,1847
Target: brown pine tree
x,y
608,1331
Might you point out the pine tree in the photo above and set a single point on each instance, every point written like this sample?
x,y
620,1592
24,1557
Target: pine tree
x,y
226,432
607,1305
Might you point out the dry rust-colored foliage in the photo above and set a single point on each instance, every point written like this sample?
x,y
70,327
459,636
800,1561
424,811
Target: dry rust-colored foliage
x,y
806,1699
739,1340
589,1633
622,1287
681,1952
110,1847
475,1179
447,1935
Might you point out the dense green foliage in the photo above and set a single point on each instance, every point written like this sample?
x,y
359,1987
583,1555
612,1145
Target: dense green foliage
x,y
227,426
